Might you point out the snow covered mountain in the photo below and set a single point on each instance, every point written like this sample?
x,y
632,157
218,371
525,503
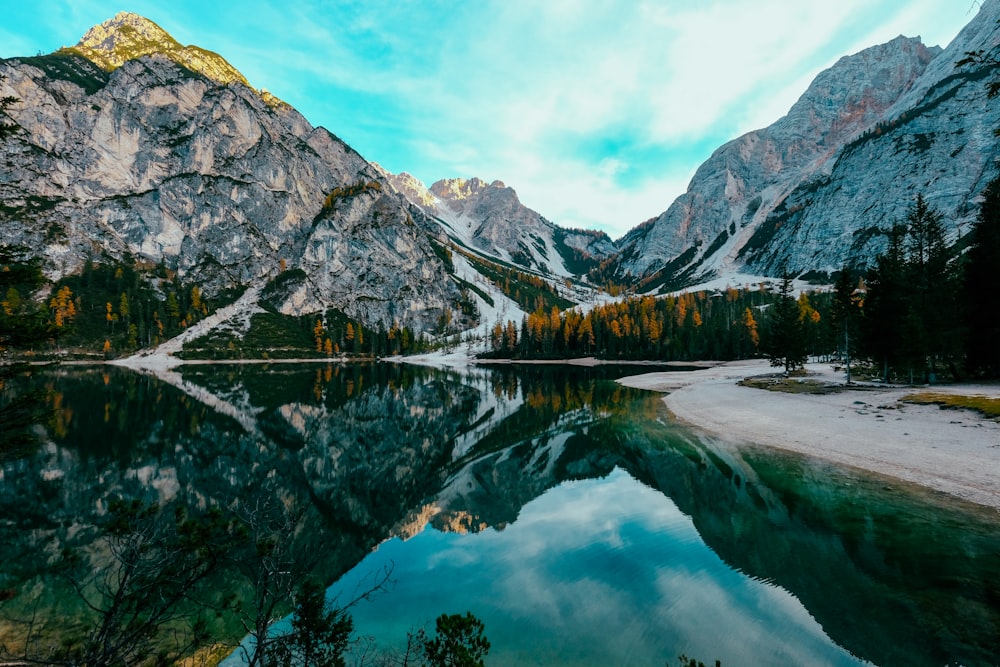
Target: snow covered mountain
x,y
489,218
820,187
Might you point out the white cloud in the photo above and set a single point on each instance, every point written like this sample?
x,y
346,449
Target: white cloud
x,y
575,195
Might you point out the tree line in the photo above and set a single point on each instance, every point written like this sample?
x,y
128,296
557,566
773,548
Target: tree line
x,y
110,307
926,310
685,327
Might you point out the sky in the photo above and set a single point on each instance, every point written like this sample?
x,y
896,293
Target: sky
x,y
597,112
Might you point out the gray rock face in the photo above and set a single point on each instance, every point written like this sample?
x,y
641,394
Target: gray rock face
x,y
161,163
938,141
489,218
812,191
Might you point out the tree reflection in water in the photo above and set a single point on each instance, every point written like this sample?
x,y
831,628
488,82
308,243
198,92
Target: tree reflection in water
x,y
377,451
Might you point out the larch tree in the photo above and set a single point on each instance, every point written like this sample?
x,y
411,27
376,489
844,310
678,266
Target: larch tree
x,y
750,330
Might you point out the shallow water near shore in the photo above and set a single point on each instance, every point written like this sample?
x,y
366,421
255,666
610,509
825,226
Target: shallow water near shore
x,y
567,512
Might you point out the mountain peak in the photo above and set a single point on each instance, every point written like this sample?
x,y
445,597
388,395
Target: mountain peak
x,y
129,36
458,189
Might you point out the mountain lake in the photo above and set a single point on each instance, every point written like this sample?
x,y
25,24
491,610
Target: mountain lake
x,y
570,514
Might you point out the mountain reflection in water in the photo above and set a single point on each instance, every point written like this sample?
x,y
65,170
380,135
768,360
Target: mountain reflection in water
x,y
563,509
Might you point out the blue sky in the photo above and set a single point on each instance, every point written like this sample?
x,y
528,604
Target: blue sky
x,y
596,112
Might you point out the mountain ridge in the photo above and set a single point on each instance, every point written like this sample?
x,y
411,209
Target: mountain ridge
x,y
751,209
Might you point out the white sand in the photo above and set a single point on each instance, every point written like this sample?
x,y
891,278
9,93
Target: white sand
x,y
953,451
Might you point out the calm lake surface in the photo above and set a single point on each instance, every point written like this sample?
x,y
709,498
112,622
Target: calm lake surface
x,y
567,512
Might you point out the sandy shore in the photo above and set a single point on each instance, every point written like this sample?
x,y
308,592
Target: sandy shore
x,y
953,451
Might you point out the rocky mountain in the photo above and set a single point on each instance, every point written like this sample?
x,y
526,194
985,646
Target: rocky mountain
x,y
821,186
133,146
489,218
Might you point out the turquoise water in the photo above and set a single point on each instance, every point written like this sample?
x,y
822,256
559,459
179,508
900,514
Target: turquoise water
x,y
595,572
568,513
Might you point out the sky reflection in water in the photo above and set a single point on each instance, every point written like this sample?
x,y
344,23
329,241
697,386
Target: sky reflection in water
x,y
594,572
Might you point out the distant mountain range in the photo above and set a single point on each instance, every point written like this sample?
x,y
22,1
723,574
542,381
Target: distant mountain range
x,y
136,147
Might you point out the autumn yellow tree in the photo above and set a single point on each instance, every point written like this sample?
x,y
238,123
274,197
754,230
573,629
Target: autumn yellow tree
x,y
349,333
62,306
510,335
318,333
496,337
750,327
196,303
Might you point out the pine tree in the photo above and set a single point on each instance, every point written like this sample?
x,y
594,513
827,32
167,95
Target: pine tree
x,y
460,641
982,287
845,312
933,305
886,303
784,341
320,633
173,307
7,129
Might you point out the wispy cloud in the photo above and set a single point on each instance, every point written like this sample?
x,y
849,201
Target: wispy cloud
x,y
596,112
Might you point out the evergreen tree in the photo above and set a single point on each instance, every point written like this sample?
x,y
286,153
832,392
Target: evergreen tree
x,y
6,129
844,315
886,303
912,318
982,287
784,340
320,632
21,322
933,313
460,642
